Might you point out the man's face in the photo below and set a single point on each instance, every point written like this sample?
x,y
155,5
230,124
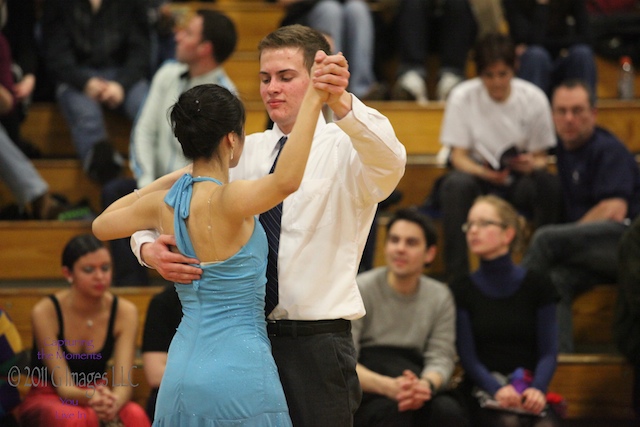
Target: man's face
x,y
573,116
406,250
283,83
497,79
189,41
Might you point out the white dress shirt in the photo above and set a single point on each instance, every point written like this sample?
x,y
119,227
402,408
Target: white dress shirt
x,y
353,164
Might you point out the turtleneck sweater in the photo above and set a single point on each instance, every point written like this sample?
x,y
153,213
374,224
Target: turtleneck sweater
x,y
506,319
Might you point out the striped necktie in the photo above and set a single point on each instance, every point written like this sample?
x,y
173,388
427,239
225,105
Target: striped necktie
x,y
271,221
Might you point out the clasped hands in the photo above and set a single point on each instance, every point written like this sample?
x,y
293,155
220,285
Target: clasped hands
x,y
104,91
105,403
330,75
531,400
410,392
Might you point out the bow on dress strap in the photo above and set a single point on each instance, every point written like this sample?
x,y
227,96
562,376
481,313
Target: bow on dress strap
x,y
179,198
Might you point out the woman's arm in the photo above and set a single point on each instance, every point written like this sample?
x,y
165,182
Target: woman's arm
x,y
139,210
245,198
547,340
126,327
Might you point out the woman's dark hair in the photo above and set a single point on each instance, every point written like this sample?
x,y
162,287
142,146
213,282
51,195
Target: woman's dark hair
x,y
202,116
78,247
492,48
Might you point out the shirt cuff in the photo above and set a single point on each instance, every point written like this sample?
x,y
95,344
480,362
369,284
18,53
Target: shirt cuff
x,y
138,239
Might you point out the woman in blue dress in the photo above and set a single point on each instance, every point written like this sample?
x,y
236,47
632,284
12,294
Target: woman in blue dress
x,y
220,370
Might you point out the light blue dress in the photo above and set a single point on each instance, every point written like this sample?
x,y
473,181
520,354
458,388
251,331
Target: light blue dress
x,y
220,371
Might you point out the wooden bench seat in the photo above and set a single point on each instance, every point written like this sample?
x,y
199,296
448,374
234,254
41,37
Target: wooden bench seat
x,y
418,127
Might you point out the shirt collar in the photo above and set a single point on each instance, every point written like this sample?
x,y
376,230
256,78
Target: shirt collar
x,y
277,133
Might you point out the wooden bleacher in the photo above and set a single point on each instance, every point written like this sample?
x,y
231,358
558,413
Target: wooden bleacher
x,y
595,384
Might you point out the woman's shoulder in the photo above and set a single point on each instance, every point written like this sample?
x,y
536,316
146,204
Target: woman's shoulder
x,y
125,307
126,317
46,306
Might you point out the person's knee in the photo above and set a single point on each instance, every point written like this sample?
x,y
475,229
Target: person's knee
x,y
458,181
581,52
357,9
536,59
330,14
537,53
542,236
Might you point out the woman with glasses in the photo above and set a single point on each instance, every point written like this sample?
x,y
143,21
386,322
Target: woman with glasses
x,y
506,325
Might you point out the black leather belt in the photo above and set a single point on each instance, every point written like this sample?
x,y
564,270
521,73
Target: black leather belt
x,y
294,328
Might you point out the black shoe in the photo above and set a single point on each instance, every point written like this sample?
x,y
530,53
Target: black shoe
x,y
103,163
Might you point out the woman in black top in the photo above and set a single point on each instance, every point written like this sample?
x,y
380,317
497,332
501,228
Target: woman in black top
x,y
76,331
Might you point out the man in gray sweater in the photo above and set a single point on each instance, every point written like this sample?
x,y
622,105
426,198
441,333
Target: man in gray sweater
x,y
406,341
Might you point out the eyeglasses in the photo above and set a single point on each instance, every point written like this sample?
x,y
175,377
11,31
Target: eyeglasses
x,y
575,111
481,223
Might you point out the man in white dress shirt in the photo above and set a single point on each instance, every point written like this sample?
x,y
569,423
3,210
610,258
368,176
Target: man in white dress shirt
x,y
354,163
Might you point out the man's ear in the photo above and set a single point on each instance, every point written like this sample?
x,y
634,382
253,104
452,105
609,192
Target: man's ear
x,y
430,255
207,48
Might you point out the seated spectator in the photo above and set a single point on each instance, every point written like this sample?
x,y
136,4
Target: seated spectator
x,y
19,20
552,39
76,331
405,343
626,330
202,46
498,129
163,317
349,25
98,53
16,170
506,325
601,190
10,347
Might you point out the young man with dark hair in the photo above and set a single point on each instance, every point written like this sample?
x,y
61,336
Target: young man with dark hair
x,y
355,162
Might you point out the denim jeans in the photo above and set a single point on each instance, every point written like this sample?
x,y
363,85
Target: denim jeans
x,y
538,67
351,27
576,256
85,116
18,173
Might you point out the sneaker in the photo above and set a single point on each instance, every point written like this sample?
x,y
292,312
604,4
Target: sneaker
x,y
103,163
410,86
447,81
